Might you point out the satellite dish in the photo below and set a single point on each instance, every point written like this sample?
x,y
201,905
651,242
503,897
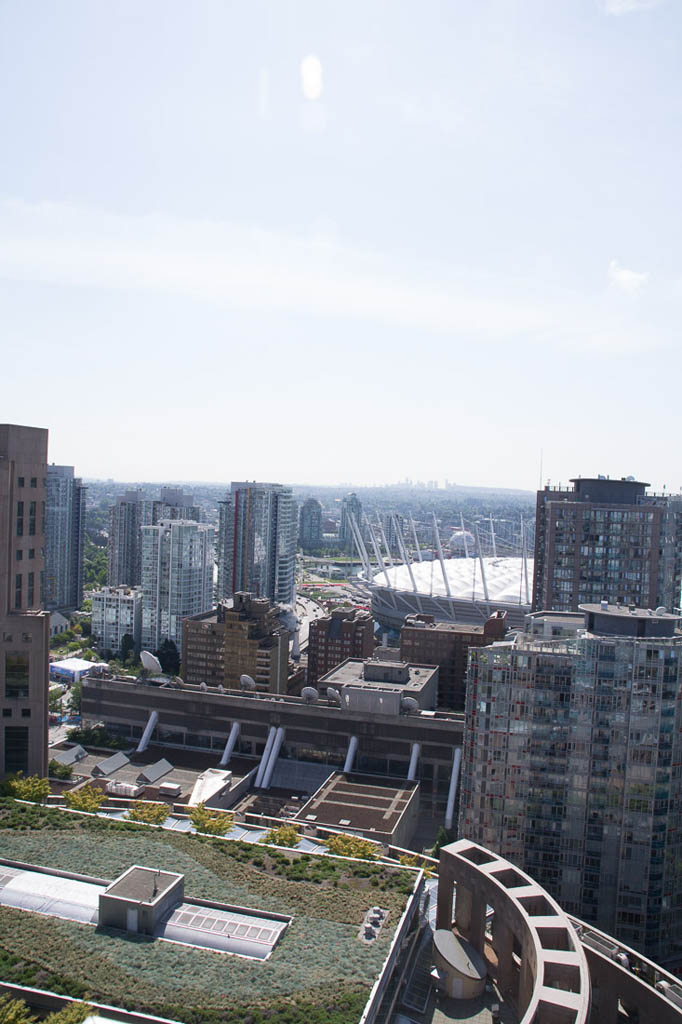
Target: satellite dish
x,y
409,704
247,682
203,686
179,681
333,695
661,610
309,694
221,688
150,662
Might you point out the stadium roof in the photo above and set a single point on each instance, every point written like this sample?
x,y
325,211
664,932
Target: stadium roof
x,y
505,578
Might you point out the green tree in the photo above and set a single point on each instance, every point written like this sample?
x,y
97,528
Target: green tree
x,y
284,835
87,798
127,649
72,1013
59,771
149,813
54,697
169,657
75,696
214,824
32,788
443,837
352,846
15,1011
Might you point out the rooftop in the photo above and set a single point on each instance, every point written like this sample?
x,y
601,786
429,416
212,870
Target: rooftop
x,y
144,885
357,802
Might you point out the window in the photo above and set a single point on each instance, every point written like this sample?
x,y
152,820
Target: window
x,y
20,555
31,552
6,712
31,519
25,712
17,590
16,749
16,675
20,519
30,597
34,481
20,481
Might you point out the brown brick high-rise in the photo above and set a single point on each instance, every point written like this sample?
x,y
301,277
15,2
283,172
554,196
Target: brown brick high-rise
x,y
333,638
24,628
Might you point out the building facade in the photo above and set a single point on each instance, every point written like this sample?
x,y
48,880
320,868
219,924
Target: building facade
x,y
446,644
177,578
256,548
571,768
333,638
128,515
350,505
64,540
24,627
116,612
245,639
310,525
607,540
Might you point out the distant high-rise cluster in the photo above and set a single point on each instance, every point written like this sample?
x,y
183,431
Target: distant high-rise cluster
x,y
256,550
129,514
64,540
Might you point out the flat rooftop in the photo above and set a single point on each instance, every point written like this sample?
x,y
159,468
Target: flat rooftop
x,y
359,802
373,673
143,885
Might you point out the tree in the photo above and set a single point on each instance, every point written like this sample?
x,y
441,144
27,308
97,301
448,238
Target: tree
x,y
169,657
87,798
352,846
15,1011
149,813
443,837
75,697
72,1013
32,788
59,771
54,697
214,824
127,647
284,835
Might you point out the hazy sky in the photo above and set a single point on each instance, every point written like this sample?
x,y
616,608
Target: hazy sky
x,y
321,241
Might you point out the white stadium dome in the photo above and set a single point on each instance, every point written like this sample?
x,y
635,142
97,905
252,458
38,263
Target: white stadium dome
x,y
509,583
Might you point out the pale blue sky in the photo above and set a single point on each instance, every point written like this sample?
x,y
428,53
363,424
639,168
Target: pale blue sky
x,y
466,249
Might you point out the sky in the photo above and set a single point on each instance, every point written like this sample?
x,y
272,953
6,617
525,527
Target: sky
x,y
317,242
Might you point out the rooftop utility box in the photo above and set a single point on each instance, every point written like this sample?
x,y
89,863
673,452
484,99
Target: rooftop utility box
x,y
139,899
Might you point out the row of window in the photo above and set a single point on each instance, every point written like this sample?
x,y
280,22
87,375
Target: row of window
x,y
30,590
33,481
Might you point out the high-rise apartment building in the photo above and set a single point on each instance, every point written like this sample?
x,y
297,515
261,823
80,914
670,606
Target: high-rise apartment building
x,y
310,525
129,514
333,638
424,641
24,627
246,639
177,578
64,540
570,767
350,505
607,540
116,611
257,542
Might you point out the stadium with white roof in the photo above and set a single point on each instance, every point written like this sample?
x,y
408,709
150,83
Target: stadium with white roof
x,y
462,589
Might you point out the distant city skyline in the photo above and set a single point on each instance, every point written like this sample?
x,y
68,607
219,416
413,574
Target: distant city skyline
x,y
447,237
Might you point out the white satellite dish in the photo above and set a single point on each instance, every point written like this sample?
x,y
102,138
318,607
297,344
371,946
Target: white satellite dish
x,y
247,682
309,694
150,662
333,695
409,704
221,688
203,686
